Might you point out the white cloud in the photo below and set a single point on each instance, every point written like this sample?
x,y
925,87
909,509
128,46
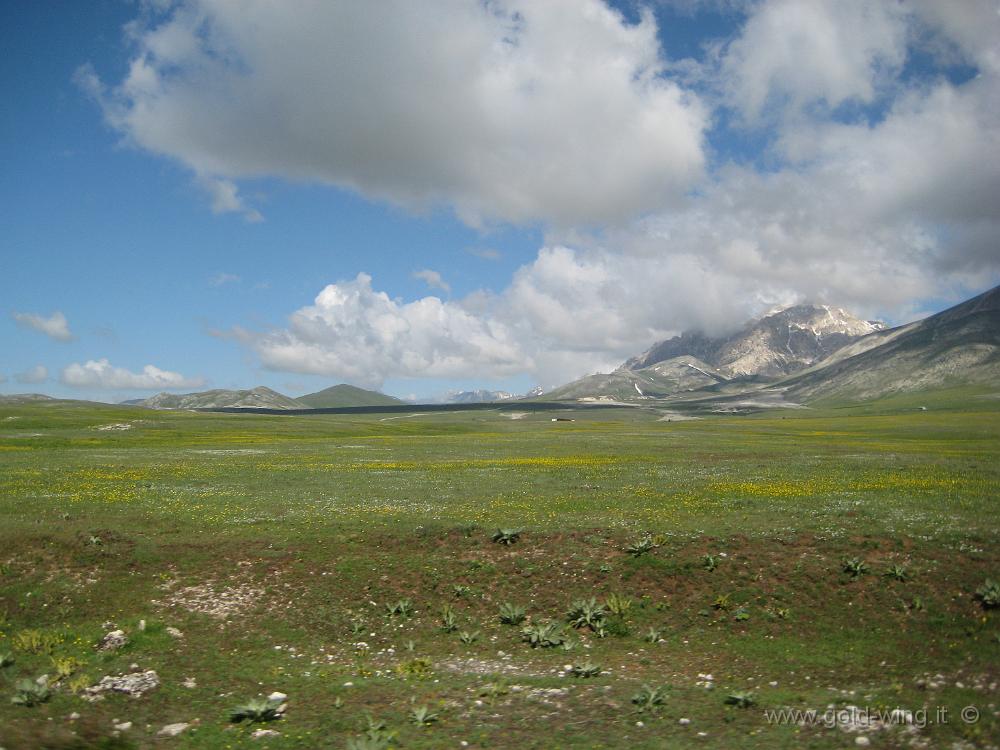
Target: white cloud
x,y
222,278
511,110
562,114
101,373
55,326
33,375
356,333
226,198
792,53
433,280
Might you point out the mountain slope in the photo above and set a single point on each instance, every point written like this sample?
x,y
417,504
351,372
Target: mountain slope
x,y
260,397
345,395
958,346
657,381
773,346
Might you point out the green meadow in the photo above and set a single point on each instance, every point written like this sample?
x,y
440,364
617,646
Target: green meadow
x,y
682,583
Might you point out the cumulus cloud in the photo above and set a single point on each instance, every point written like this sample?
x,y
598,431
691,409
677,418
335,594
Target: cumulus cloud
x,y
101,373
55,326
792,53
562,112
33,375
359,334
510,110
433,280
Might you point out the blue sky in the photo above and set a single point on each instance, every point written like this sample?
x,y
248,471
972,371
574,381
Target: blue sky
x,y
578,180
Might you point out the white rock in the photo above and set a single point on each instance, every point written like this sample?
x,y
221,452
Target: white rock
x,y
190,682
172,730
134,684
174,632
862,741
277,697
684,722
74,716
113,640
258,734
124,726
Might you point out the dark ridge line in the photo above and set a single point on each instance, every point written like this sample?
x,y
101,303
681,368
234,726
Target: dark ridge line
x,y
408,408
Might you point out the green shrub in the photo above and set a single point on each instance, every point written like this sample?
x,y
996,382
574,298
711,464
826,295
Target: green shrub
x,y
449,622
897,573
855,567
422,716
402,608
586,613
30,693
544,634
741,699
989,594
617,604
419,668
257,710
506,537
511,614
641,546
649,698
585,670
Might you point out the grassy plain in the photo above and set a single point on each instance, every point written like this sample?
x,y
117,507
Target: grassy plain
x,y
274,543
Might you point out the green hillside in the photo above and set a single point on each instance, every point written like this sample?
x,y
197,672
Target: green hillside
x,y
346,395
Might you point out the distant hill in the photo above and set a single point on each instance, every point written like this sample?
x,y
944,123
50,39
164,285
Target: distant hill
x,y
959,346
660,380
345,395
479,397
24,398
260,397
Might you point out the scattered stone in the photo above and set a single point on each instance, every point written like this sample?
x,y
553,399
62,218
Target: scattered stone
x,y
260,733
142,625
862,741
190,682
74,716
123,726
172,730
684,722
174,632
134,684
210,599
277,697
113,640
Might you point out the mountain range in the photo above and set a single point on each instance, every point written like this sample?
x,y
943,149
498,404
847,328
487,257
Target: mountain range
x,y
790,356
262,397
807,352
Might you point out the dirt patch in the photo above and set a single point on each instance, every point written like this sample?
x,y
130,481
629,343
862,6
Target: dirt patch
x,y
219,601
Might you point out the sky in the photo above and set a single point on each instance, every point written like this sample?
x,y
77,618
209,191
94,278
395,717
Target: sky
x,y
457,194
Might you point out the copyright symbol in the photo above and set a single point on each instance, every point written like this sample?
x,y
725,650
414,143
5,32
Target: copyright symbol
x,y
970,714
